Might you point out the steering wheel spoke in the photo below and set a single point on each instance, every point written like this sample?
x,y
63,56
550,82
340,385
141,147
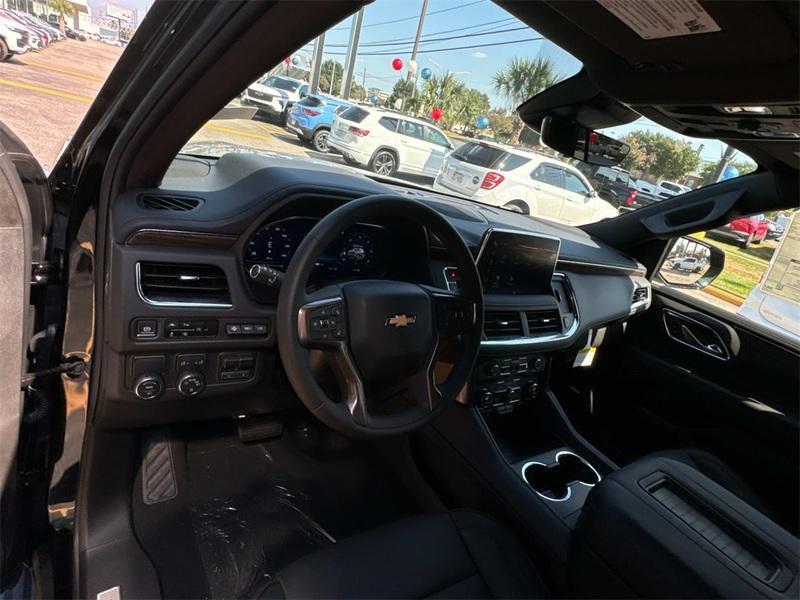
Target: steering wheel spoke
x,y
322,323
453,313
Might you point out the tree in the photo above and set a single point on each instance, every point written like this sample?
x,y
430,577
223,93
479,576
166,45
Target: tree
x,y
467,107
402,90
334,70
64,8
707,170
442,91
660,155
501,123
521,79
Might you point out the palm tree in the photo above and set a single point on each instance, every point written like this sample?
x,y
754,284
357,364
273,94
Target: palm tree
x,y
522,79
63,8
442,91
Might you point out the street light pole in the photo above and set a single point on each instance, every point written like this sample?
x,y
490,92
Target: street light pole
x,y
419,34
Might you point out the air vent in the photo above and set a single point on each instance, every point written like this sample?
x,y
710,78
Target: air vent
x,y
641,294
176,284
173,203
497,325
545,320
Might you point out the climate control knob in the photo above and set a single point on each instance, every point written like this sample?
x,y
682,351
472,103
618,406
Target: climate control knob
x,y
148,386
191,383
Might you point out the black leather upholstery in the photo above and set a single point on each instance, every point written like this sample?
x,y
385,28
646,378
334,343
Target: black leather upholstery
x,y
717,470
660,528
450,555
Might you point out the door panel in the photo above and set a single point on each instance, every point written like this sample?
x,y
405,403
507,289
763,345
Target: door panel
x,y
547,191
577,208
680,376
413,148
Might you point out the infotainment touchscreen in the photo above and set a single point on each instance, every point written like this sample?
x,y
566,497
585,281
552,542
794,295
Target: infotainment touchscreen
x,y
517,263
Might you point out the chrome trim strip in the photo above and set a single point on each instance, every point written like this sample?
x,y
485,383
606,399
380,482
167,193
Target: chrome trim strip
x,y
580,263
544,339
176,304
569,487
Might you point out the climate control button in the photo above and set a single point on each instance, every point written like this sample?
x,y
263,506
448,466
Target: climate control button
x,y
148,386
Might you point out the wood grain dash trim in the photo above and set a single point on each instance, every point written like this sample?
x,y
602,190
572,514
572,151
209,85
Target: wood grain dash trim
x,y
181,239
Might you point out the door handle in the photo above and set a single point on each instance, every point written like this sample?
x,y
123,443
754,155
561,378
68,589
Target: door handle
x,y
711,347
695,334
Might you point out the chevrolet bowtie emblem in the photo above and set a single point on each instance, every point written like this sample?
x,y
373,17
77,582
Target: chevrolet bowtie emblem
x,y
401,320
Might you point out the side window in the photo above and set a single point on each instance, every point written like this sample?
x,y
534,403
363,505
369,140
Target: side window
x,y
412,129
749,267
549,174
303,90
389,123
573,183
434,136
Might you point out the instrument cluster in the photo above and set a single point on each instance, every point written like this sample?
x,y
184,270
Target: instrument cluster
x,y
358,252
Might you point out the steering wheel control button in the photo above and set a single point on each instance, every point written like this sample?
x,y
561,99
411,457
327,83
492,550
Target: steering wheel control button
x,y
191,383
148,386
145,329
326,323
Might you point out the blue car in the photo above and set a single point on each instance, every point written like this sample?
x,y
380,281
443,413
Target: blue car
x,y
312,117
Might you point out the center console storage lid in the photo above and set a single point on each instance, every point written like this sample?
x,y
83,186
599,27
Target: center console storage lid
x,y
660,529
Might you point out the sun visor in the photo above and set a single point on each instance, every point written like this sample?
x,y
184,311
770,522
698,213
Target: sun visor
x,y
577,99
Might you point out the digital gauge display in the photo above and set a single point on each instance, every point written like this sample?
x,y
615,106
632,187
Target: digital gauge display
x,y
358,251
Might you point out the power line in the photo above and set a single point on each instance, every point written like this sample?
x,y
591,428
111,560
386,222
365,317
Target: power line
x,y
442,39
415,17
411,39
423,51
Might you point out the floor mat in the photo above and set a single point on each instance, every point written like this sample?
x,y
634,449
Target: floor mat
x,y
243,511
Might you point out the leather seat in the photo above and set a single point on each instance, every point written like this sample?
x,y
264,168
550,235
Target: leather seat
x,y
448,555
717,470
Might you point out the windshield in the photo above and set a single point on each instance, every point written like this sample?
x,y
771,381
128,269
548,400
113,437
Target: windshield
x,y
280,83
462,68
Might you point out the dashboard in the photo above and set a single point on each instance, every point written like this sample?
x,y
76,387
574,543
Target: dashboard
x,y
192,334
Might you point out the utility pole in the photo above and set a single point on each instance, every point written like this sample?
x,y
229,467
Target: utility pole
x,y
419,34
727,157
316,64
352,52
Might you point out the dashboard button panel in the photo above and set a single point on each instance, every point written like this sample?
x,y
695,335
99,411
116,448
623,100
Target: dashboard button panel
x,y
503,383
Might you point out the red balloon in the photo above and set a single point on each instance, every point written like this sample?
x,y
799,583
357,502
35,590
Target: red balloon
x,y
397,64
436,113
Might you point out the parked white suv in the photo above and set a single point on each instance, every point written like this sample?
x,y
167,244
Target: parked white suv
x,y
387,142
521,180
14,38
275,95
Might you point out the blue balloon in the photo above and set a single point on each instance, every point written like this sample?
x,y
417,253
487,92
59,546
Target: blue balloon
x,y
729,173
295,60
425,73
482,122
374,99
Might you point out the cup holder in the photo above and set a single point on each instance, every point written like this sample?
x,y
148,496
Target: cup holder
x,y
553,481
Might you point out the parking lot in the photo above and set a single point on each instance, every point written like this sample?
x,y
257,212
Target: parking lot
x,y
45,94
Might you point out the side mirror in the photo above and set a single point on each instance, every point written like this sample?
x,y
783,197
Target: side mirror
x,y
570,139
691,263
303,94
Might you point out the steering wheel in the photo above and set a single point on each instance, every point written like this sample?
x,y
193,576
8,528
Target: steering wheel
x,y
381,337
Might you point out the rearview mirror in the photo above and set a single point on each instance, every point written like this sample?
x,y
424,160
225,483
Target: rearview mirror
x,y
570,139
691,263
